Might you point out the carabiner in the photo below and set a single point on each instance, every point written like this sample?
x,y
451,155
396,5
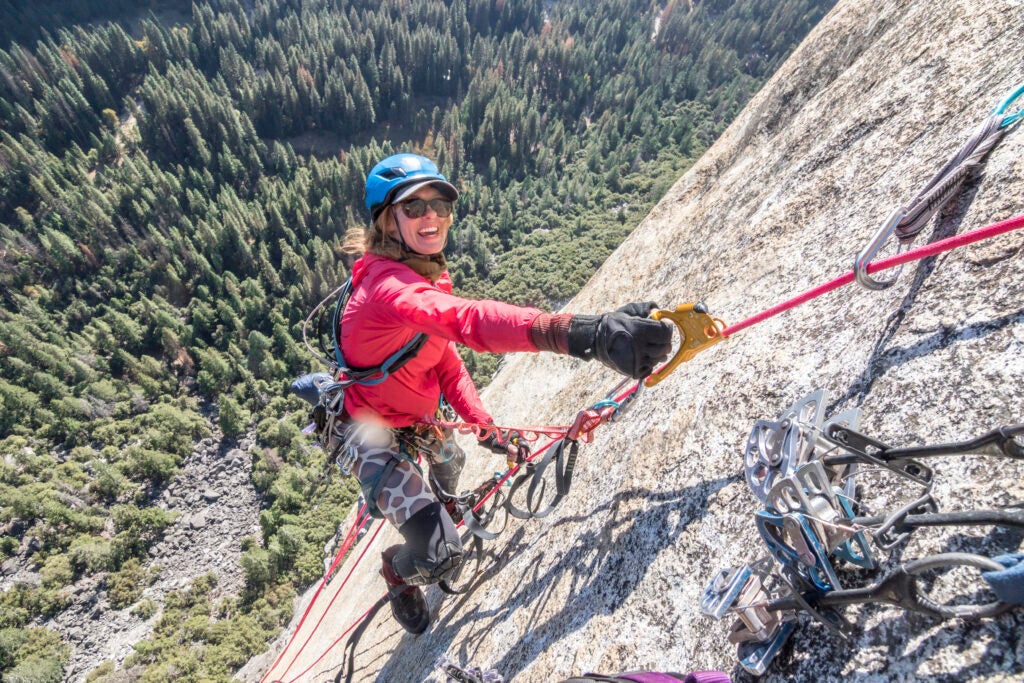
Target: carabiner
x,y
860,265
698,331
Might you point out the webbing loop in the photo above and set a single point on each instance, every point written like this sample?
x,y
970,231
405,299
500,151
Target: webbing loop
x,y
565,463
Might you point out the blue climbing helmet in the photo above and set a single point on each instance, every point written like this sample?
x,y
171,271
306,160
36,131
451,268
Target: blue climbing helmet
x,y
399,176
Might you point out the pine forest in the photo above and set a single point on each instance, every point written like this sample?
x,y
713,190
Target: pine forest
x,y
175,182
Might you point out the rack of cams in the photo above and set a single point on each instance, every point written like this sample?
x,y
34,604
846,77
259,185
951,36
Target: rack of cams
x,y
802,468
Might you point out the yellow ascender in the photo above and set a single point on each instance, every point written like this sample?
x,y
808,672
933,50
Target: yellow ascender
x,y
698,331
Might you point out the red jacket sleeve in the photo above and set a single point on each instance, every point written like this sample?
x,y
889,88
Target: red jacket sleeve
x,y
458,387
482,325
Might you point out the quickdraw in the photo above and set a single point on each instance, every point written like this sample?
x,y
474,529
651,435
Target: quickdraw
x,y
801,468
714,330
907,221
700,331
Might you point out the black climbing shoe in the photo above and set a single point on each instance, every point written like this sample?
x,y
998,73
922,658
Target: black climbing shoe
x,y
408,605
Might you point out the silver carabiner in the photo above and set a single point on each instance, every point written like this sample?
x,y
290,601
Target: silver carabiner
x,y
860,265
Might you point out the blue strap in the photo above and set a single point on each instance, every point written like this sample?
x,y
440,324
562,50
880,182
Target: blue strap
x,y
374,486
308,386
1008,584
339,307
1005,104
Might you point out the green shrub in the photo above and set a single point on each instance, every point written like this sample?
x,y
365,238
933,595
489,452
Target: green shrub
x,y
233,417
292,540
8,546
91,555
101,671
11,640
125,586
259,568
145,609
173,428
109,482
157,467
21,603
265,469
137,529
37,669
104,390
72,473
57,571
83,454
289,489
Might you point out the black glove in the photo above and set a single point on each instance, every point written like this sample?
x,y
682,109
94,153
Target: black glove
x,y
509,445
625,340
639,309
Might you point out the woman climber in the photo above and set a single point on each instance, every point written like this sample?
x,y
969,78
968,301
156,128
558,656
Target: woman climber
x,y
401,289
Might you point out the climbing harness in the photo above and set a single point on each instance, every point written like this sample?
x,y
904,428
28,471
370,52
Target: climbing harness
x,y
907,221
485,510
326,390
329,351
802,467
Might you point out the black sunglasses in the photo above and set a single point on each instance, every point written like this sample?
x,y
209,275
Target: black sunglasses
x,y
416,208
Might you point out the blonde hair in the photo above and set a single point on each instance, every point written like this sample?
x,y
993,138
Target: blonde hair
x,y
377,239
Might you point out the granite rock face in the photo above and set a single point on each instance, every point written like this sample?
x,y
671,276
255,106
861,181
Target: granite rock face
x,y
873,103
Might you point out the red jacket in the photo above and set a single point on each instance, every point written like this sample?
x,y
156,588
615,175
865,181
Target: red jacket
x,y
390,304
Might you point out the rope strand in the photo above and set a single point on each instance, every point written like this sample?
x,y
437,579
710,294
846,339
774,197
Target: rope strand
x,y
919,253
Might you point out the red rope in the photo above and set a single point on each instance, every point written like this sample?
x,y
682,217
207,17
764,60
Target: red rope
x,y
337,591
584,425
349,541
331,646
921,252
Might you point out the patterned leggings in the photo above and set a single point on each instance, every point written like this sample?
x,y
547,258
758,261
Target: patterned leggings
x,y
394,483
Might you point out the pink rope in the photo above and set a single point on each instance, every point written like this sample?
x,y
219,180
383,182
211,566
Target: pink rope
x,y
476,508
332,645
921,252
319,590
482,431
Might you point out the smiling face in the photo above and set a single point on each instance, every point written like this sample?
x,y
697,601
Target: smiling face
x,y
427,234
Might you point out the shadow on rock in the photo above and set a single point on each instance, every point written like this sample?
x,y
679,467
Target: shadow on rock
x,y
591,577
883,359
